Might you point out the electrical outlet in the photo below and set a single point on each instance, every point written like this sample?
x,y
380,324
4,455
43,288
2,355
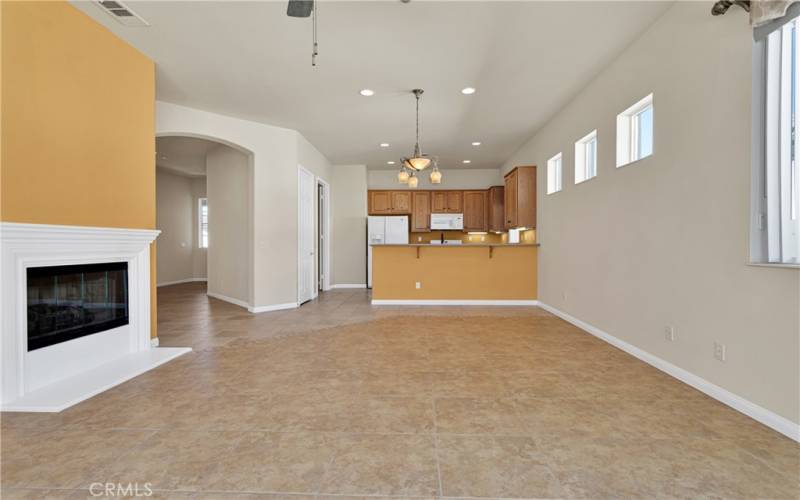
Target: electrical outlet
x,y
669,333
483,238
419,285
720,351
419,238
564,296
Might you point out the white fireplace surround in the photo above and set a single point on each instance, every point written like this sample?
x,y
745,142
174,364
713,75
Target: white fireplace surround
x,y
58,376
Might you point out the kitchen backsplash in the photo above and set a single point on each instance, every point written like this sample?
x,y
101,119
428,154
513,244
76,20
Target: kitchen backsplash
x,y
528,236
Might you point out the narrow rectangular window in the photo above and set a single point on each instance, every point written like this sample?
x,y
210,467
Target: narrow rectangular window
x,y
202,219
554,174
586,157
635,132
776,225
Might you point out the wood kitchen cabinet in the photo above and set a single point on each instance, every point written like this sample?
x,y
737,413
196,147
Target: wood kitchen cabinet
x,y
401,202
475,210
389,202
447,202
520,198
421,211
494,209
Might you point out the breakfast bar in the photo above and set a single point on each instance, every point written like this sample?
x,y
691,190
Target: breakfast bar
x,y
477,274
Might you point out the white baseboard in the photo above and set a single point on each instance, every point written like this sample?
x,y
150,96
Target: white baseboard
x,y
349,285
187,280
231,300
274,307
253,309
752,410
381,302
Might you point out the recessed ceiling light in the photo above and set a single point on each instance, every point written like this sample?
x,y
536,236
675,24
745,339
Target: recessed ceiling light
x,y
367,92
384,144
467,161
476,143
390,162
468,91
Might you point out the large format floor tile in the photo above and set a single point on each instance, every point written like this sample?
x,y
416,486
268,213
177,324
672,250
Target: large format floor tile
x,y
342,400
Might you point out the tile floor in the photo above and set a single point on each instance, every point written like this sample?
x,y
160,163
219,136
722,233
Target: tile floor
x,y
341,399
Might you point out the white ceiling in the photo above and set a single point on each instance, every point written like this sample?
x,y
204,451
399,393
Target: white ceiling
x,y
249,60
183,155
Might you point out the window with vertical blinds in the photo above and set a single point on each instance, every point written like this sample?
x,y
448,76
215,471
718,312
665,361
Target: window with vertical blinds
x,y
776,232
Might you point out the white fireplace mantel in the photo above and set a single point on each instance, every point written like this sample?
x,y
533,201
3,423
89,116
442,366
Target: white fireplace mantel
x,y
58,376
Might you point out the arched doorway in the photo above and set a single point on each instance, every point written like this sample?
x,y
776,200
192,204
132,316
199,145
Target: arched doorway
x,y
204,210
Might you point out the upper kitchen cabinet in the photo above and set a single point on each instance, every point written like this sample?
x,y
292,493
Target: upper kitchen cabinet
x,y
380,202
475,211
520,198
447,202
421,214
389,203
494,209
401,202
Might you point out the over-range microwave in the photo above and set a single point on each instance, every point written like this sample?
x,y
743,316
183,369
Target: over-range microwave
x,y
444,222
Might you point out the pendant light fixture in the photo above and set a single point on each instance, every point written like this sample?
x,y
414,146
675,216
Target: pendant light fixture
x,y
403,176
436,176
418,161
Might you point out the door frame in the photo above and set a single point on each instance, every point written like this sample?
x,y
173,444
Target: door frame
x,y
324,229
312,285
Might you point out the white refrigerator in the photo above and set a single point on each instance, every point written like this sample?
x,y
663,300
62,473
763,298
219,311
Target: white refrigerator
x,y
381,230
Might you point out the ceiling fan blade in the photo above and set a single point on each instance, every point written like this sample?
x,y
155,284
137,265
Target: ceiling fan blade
x,y
299,8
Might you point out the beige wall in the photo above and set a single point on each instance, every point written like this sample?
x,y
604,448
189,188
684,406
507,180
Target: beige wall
x,y
349,221
179,256
451,179
274,154
77,124
229,214
174,219
665,241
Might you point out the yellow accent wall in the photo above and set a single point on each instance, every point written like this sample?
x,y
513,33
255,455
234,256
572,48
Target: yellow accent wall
x,y
447,273
78,123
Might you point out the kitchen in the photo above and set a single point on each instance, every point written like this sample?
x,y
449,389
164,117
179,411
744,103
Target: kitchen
x,y
452,246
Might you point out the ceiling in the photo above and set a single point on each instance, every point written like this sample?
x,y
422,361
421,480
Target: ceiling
x,y
183,155
249,60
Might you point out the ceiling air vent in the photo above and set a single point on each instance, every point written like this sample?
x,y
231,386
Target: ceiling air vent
x,y
122,13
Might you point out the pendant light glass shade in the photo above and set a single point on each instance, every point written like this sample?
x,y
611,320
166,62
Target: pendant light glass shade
x,y
402,176
418,163
413,181
436,176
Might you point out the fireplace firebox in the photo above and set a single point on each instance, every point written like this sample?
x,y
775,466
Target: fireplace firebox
x,y
68,302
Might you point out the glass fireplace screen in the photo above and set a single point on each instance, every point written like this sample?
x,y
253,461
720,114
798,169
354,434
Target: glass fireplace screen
x,y
68,302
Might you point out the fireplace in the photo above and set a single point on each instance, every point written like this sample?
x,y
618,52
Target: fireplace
x,y
74,313
72,301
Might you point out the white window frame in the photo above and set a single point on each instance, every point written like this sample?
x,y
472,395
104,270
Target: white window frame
x,y
586,157
628,132
775,207
555,174
200,203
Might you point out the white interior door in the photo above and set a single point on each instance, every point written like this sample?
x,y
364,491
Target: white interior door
x,y
305,233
